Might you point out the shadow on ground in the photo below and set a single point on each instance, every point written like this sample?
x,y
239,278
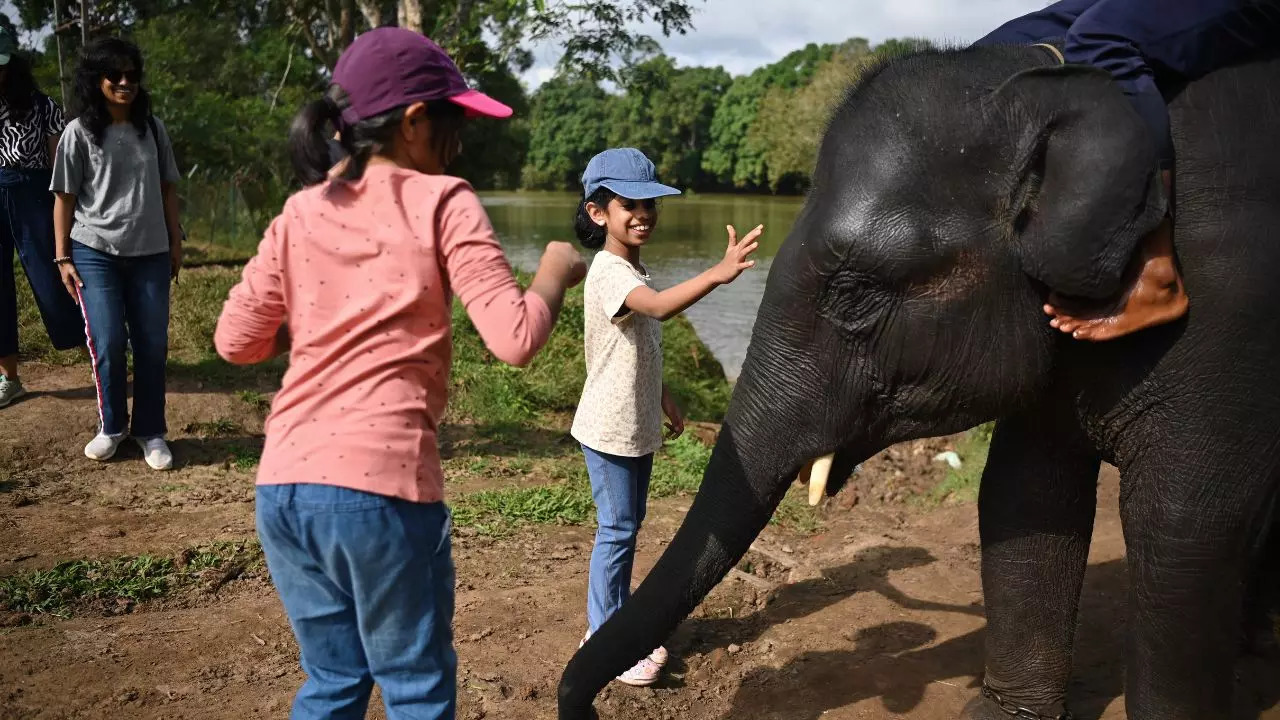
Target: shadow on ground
x,y
897,661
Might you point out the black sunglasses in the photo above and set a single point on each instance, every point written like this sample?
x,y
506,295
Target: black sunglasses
x,y
115,76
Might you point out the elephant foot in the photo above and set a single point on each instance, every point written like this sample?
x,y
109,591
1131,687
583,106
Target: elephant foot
x,y
989,705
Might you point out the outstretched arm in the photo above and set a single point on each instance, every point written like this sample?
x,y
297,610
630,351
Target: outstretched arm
x,y
675,300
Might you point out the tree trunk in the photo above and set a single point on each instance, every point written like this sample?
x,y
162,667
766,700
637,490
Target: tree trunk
x,y
372,12
410,15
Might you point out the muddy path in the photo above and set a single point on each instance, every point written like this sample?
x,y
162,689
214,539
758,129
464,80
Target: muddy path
x,y
877,615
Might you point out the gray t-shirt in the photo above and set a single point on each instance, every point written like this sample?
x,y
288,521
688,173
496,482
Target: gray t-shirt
x,y
119,206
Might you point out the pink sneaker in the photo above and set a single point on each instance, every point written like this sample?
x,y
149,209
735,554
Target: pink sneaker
x,y
641,674
658,657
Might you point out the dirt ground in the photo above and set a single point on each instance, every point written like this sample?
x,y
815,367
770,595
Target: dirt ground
x,y
877,615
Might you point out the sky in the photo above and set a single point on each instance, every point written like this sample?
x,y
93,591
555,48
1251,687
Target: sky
x,y
741,35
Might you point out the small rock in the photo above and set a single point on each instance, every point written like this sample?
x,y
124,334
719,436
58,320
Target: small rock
x,y
477,637
716,659
787,549
950,458
734,649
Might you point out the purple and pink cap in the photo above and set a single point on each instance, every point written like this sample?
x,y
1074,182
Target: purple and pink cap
x,y
391,67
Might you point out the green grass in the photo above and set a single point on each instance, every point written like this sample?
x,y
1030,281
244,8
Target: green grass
x,y
222,427
483,390
244,458
254,399
962,485
76,584
677,470
488,392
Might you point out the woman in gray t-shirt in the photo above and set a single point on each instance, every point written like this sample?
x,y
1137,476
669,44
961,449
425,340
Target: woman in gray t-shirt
x,y
119,242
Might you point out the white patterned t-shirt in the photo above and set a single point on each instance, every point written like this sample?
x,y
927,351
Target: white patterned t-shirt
x,y
24,141
620,412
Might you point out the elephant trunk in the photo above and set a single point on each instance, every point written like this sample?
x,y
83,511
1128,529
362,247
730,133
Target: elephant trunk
x,y
761,446
723,521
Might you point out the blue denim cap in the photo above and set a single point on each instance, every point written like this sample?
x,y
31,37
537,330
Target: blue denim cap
x,y
627,172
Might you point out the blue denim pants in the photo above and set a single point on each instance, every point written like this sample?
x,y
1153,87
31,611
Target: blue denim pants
x,y
26,225
125,301
620,488
367,582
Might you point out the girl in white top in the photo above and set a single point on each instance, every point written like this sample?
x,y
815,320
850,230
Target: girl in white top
x,y
619,417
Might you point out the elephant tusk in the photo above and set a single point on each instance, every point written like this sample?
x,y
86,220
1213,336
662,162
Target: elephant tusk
x,y
818,479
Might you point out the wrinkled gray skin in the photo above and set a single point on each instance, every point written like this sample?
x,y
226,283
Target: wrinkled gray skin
x,y
953,191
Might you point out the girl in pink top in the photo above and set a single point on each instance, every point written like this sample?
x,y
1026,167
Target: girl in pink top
x,y
354,279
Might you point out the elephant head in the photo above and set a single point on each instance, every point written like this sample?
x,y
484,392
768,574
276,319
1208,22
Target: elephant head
x,y
952,192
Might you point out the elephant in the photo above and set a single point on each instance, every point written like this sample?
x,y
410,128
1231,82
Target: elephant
x,y
953,191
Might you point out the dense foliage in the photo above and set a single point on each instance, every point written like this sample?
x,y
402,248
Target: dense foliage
x,y
228,76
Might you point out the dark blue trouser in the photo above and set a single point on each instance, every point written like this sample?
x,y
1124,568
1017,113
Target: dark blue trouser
x,y
26,225
367,582
126,300
1150,46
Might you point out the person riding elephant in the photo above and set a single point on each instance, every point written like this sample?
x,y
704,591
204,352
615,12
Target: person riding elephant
x,y
1150,48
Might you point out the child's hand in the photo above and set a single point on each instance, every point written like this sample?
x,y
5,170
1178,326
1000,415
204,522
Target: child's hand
x,y
735,256
566,262
675,420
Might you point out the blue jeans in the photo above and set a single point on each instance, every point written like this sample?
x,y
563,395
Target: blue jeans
x,y
367,582
620,488
26,225
126,301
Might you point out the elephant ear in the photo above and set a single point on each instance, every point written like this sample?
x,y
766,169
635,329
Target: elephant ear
x,y
1088,186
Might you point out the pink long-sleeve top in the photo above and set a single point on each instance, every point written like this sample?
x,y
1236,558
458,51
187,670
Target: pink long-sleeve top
x,y
363,275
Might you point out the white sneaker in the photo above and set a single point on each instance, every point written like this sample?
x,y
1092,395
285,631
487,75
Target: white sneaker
x,y
102,447
641,674
657,658
10,390
157,454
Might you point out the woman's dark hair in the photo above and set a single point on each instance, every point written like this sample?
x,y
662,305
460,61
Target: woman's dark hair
x,y
100,57
20,88
314,125
590,235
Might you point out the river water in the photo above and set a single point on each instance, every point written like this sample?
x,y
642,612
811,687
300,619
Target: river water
x,y
690,237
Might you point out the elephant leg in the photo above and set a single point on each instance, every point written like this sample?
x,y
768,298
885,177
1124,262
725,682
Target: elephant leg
x,y
1190,523
1262,599
1035,508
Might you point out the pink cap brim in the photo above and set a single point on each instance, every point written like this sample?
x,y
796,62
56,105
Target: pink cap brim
x,y
480,105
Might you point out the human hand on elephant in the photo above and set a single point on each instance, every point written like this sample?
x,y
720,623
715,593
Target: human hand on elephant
x,y
735,256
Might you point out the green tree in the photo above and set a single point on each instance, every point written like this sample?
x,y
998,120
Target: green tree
x,y
733,157
568,123
666,112
791,121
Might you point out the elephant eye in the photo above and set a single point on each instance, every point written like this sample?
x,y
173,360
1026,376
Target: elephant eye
x,y
851,303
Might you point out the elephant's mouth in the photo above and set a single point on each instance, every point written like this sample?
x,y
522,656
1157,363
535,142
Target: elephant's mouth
x,y
819,473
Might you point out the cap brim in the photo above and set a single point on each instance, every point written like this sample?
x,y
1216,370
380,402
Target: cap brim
x,y
478,104
639,190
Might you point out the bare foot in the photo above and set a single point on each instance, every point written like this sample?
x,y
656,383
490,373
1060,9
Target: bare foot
x,y
1154,296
